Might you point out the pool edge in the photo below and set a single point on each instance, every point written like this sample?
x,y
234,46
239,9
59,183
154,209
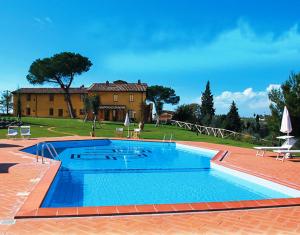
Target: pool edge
x,y
31,207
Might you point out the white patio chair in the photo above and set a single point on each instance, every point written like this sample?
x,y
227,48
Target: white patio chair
x,y
12,131
136,133
287,145
25,131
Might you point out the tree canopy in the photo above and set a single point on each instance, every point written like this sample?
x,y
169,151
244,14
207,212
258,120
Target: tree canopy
x,y
60,69
187,113
207,106
6,102
95,104
233,120
160,95
288,95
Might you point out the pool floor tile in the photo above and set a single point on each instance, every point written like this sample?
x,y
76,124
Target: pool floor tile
x,y
93,210
45,212
182,207
72,211
200,206
216,205
164,208
249,204
145,208
26,213
110,210
126,209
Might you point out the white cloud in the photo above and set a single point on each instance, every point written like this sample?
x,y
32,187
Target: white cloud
x,y
238,47
38,20
43,21
248,100
48,19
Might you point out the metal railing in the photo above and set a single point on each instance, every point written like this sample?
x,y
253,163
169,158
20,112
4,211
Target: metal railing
x,y
52,151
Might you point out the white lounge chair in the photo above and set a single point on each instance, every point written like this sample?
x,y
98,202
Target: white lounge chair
x,y
12,131
287,145
283,154
136,133
25,131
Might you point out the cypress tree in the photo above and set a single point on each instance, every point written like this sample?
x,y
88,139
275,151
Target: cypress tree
x,y
19,105
207,106
233,120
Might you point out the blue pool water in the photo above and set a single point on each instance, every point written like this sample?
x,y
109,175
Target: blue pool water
x,y
115,172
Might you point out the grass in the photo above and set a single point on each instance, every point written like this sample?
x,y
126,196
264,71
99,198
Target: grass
x,y
67,127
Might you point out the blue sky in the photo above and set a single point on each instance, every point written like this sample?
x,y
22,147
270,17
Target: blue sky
x,y
243,47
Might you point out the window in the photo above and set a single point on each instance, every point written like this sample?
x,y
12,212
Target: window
x,y
82,96
115,98
28,111
131,98
60,112
28,97
51,97
130,113
51,112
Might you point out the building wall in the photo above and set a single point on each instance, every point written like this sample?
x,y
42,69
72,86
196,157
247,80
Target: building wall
x,y
123,98
40,104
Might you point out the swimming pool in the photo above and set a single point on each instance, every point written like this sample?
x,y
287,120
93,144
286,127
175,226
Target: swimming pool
x,y
120,172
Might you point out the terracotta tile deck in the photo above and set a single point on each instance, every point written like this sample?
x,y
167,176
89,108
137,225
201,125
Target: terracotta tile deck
x,y
24,175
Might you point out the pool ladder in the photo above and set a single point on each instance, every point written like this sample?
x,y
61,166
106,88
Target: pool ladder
x,y
50,149
164,139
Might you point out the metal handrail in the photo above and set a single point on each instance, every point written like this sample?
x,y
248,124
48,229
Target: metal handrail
x,y
50,149
37,150
54,150
170,140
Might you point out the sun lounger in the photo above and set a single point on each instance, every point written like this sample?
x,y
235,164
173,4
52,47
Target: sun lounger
x,y
283,154
25,131
136,133
12,131
287,145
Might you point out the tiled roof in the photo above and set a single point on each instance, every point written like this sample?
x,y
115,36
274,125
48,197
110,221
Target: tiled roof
x,y
49,90
129,87
140,87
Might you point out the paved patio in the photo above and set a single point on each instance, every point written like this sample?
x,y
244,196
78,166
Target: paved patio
x,y
19,174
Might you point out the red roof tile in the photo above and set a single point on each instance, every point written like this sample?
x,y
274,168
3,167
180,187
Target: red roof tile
x,y
49,90
142,87
129,87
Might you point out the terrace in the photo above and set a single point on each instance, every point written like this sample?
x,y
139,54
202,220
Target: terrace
x,y
20,176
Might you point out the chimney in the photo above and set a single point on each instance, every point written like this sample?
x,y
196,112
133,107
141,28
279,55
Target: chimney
x,y
139,81
107,83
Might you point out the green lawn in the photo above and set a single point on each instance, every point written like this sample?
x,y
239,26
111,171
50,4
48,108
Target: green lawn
x,y
64,127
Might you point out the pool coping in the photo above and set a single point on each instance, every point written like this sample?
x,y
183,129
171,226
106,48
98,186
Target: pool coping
x,y
31,207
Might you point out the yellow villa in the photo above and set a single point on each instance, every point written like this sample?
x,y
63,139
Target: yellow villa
x,y
116,99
